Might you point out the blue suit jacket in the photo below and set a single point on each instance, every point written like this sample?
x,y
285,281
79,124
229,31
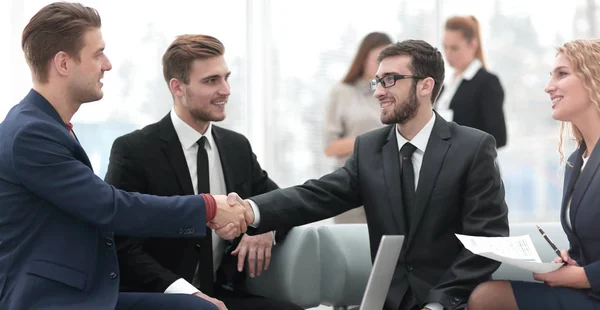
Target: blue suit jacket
x,y
57,218
581,188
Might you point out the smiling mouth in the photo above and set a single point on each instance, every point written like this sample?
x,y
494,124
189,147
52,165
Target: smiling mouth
x,y
220,103
385,105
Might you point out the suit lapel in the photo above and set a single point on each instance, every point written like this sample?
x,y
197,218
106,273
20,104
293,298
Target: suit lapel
x,y
224,155
174,152
391,173
584,179
433,159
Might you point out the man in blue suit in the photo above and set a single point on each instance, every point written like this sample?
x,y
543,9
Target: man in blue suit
x,y
57,218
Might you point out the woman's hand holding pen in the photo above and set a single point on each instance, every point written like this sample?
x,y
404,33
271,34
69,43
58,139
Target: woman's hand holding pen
x,y
565,258
569,275
565,276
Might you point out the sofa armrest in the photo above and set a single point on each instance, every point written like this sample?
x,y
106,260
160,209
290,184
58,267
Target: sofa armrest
x,y
345,263
294,272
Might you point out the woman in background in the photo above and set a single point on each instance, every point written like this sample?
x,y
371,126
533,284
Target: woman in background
x,y
574,90
472,96
352,110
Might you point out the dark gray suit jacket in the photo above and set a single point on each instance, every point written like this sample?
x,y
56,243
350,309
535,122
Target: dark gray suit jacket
x,y
581,189
459,191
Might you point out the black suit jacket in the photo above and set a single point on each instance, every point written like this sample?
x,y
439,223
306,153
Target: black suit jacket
x,y
478,103
459,191
581,189
151,161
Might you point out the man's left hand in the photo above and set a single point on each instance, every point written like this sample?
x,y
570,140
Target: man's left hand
x,y
258,250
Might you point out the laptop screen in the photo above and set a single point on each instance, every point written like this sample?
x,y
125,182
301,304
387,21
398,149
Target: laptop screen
x,y
382,272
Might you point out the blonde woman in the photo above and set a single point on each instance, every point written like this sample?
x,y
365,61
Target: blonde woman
x,y
574,90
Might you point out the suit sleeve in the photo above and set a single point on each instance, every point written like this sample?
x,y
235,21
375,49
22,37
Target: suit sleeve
x,y
315,200
261,183
46,166
484,213
137,266
592,272
492,99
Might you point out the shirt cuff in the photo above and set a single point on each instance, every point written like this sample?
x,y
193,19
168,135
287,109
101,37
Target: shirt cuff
x,y
434,306
181,286
211,206
256,214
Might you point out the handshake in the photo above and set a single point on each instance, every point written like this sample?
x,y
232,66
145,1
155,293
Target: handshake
x,y
233,215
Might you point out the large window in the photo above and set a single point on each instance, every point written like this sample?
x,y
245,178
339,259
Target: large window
x,y
285,58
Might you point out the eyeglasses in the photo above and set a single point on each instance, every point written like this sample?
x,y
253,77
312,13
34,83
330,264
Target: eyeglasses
x,y
390,80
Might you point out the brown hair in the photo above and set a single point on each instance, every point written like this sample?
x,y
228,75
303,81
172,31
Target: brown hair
x,y
584,56
177,60
426,60
59,26
469,27
371,41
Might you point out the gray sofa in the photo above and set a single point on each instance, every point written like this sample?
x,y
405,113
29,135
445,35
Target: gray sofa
x,y
330,264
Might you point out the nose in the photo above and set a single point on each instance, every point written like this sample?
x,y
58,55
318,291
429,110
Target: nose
x,y
550,87
225,90
107,66
380,91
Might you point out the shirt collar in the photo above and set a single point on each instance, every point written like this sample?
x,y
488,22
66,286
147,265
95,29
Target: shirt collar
x,y
188,136
422,137
472,69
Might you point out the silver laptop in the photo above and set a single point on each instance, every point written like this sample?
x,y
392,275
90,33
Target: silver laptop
x,y
382,272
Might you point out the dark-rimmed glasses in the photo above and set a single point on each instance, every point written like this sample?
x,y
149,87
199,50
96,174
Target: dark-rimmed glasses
x,y
390,80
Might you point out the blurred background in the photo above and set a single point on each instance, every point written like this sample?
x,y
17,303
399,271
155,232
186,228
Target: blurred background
x,y
286,56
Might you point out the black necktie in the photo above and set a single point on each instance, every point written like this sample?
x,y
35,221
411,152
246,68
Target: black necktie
x,y
407,175
204,273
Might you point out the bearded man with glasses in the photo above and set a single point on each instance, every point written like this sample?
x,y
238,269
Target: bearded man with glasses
x,y
420,176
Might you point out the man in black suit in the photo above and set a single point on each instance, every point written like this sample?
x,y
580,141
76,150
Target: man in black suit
x,y
421,177
185,154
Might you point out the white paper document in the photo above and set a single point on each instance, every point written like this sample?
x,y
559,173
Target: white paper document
x,y
516,251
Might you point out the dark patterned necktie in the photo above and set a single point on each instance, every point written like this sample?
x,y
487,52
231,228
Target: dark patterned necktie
x,y
407,176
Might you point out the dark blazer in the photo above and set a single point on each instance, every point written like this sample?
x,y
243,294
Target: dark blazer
x,y
478,103
152,161
581,189
459,191
57,217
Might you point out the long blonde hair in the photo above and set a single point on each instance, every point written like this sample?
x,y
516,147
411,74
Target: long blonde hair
x,y
584,56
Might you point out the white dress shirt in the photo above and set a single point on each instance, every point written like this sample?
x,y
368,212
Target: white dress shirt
x,y
189,137
451,84
420,142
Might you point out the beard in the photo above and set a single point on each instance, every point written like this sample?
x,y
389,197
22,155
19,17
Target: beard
x,y
404,112
200,114
83,92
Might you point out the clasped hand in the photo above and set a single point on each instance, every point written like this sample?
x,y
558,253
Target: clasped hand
x,y
233,215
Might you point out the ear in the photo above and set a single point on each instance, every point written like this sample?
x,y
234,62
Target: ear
x,y
474,44
60,63
176,87
426,87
